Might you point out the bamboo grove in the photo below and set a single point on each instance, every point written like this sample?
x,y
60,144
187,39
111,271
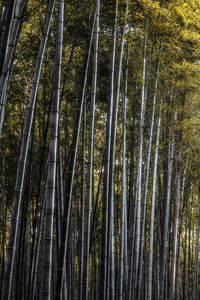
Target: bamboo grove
x,y
99,149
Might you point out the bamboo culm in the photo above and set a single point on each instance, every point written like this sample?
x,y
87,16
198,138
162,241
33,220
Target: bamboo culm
x,y
90,155
6,289
52,162
70,177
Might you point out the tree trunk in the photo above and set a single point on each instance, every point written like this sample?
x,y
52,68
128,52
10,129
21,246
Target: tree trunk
x,y
70,177
176,227
147,167
105,207
152,217
52,161
112,159
90,157
123,269
6,289
166,217
13,35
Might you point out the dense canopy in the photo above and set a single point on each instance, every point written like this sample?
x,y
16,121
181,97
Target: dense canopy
x,y
99,149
